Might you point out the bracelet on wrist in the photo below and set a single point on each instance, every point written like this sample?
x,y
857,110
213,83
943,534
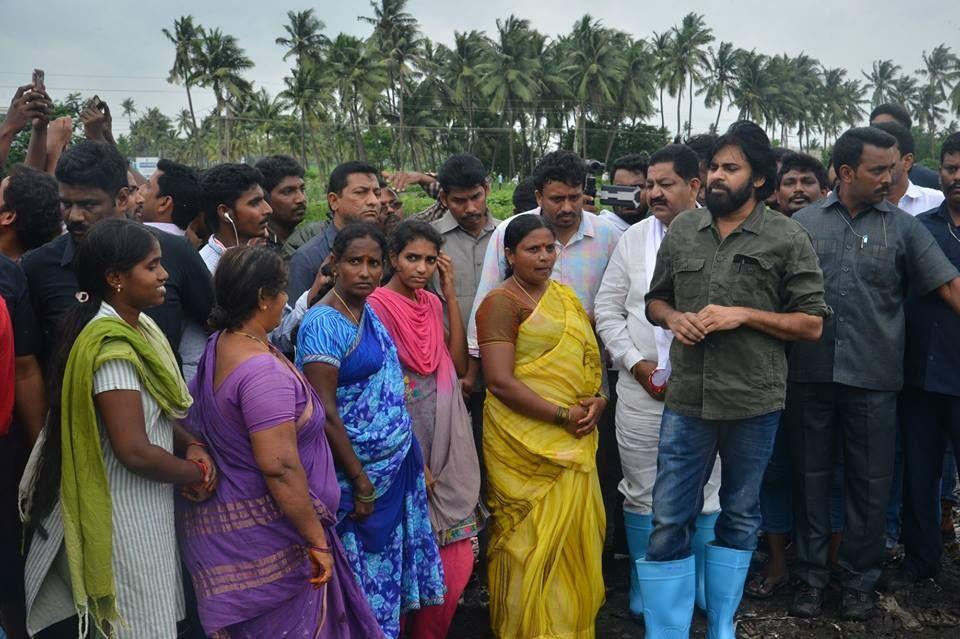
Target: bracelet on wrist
x,y
196,442
203,469
563,413
368,498
325,549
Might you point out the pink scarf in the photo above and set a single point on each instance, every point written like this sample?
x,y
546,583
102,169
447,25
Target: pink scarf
x,y
449,451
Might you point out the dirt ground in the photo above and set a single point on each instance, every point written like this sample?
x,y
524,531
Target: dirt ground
x,y
927,610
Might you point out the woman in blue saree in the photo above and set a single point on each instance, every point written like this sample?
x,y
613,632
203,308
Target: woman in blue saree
x,y
348,357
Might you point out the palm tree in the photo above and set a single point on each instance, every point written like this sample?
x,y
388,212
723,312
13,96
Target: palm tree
x,y
840,100
305,90
903,90
129,108
303,40
661,43
719,74
686,58
186,38
358,77
220,62
509,75
595,68
883,73
462,67
396,34
752,88
941,68
635,98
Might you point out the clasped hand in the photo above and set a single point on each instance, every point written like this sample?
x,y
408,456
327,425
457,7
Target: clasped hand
x,y
582,418
691,328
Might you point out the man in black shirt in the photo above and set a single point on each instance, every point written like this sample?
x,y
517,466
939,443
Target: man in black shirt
x,y
93,177
930,402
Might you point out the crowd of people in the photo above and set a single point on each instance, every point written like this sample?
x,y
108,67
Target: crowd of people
x,y
224,421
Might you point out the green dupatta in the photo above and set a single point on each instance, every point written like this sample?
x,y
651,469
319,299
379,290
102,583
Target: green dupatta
x,y
84,490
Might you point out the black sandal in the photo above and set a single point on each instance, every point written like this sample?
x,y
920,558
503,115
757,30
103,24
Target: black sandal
x,y
762,587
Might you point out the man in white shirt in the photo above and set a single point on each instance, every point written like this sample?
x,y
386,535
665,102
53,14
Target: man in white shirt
x,y
630,170
903,193
585,241
641,353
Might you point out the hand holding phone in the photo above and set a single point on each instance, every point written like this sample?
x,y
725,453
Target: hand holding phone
x,y
39,82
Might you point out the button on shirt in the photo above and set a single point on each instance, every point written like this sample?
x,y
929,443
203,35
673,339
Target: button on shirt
x,y
768,264
467,253
868,264
932,358
580,264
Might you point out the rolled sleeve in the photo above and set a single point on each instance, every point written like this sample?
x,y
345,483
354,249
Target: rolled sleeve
x,y
661,285
803,281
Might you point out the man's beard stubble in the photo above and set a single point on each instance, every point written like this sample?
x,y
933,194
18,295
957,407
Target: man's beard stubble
x,y
724,202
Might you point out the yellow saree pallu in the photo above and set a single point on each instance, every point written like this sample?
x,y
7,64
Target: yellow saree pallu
x,y
548,519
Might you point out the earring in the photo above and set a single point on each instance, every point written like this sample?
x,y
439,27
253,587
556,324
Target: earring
x,y
263,308
119,288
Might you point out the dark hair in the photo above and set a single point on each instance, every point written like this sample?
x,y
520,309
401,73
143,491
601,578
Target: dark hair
x,y
112,245
896,112
274,168
93,164
244,275
804,163
182,183
224,184
905,141
461,171
633,162
849,147
520,227
525,196
356,231
410,230
685,162
559,166
950,145
779,153
339,175
34,197
755,146
702,145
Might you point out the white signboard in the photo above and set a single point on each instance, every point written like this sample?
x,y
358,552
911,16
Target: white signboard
x,y
146,166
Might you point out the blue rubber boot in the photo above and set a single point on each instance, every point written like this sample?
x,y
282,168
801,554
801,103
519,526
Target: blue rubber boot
x,y
701,537
638,529
668,589
725,570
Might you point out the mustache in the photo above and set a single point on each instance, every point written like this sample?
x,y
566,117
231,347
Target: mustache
x,y
954,187
77,227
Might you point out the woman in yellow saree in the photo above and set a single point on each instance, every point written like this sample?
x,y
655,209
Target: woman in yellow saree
x,y
543,373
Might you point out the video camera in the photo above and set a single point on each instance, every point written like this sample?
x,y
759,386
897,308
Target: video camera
x,y
594,168
626,197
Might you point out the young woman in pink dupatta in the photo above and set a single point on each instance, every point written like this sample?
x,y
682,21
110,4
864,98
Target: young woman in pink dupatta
x,y
432,359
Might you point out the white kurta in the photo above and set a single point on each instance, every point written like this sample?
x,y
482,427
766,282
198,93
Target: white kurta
x,y
146,564
629,338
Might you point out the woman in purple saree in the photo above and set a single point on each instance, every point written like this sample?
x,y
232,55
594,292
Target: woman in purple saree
x,y
263,552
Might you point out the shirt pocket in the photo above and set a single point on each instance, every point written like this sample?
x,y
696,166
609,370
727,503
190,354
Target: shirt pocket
x,y
751,281
878,266
688,279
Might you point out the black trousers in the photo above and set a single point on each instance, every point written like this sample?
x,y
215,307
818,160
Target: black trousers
x,y
824,419
929,422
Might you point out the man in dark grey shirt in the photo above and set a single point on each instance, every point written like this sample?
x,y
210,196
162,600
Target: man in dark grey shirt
x,y
844,387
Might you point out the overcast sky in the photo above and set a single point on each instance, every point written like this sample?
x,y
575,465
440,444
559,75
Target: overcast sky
x,y
115,47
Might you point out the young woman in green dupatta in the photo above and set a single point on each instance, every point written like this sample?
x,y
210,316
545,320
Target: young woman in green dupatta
x,y
103,560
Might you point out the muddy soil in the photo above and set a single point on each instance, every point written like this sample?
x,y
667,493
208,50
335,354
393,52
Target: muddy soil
x,y
924,611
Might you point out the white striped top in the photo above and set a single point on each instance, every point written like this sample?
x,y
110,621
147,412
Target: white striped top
x,y
146,562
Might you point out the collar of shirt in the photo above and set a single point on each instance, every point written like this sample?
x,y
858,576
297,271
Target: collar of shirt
x,y
216,245
753,223
167,227
330,232
586,228
832,200
449,223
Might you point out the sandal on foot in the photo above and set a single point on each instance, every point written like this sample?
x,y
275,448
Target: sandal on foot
x,y
761,587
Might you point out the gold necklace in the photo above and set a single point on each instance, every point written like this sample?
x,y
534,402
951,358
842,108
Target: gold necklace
x,y
520,286
249,336
352,316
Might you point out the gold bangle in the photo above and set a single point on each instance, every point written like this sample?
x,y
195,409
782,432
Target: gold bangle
x,y
367,499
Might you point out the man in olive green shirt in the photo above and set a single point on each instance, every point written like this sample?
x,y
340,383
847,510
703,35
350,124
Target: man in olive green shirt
x,y
734,282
